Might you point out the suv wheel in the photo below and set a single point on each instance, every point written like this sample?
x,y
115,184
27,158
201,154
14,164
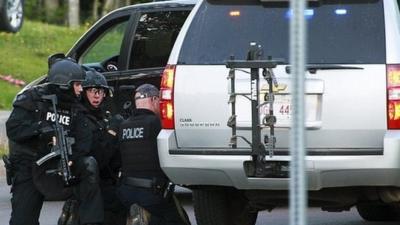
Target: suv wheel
x,y
11,15
378,212
222,207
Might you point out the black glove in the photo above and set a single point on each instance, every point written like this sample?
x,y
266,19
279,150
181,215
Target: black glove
x,y
114,122
46,130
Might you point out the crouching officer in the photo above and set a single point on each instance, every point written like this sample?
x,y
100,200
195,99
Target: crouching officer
x,y
30,129
143,183
103,149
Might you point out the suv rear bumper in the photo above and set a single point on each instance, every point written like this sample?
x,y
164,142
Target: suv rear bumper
x,y
322,171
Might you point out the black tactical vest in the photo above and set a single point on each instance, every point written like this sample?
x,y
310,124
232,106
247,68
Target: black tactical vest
x,y
138,145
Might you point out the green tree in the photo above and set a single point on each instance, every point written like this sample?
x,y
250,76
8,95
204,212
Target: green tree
x,y
56,11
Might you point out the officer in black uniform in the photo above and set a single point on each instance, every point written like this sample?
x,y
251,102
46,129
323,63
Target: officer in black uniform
x,y
95,91
143,183
30,129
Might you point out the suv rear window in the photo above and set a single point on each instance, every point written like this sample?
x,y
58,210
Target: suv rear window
x,y
339,32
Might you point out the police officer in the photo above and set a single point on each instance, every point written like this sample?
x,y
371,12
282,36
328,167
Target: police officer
x,y
95,90
30,130
143,183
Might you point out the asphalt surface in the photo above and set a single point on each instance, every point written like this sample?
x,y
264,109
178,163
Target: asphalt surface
x,y
3,118
3,137
279,216
51,210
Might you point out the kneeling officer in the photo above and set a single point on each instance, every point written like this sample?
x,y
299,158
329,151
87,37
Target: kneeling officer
x,y
30,129
143,183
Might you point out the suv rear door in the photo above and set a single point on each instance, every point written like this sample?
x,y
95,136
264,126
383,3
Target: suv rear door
x,y
346,88
147,50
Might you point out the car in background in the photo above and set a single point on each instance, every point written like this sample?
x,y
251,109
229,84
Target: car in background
x,y
130,46
11,15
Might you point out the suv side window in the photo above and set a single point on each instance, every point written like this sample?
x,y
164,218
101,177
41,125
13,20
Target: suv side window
x,y
107,45
154,38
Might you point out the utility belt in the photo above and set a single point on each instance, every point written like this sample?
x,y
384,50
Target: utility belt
x,y
159,186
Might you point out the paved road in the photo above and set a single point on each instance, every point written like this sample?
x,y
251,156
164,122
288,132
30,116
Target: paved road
x,y
51,211
3,117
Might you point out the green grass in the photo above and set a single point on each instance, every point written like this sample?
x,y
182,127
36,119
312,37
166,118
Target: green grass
x,y
7,94
108,45
3,150
24,55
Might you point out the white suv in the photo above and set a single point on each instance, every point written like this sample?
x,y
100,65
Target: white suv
x,y
352,108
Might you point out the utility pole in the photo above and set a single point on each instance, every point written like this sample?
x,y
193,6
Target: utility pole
x,y
298,179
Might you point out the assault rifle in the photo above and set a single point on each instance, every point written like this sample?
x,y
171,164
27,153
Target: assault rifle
x,y
61,147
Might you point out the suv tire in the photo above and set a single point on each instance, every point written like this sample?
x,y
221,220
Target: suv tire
x,y
222,207
11,15
377,212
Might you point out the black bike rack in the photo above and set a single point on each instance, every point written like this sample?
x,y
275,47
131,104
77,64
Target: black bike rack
x,y
258,166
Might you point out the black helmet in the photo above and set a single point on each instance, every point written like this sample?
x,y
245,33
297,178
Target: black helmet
x,y
94,79
65,71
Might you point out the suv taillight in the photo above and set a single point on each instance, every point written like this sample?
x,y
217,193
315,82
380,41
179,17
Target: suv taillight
x,y
167,97
393,96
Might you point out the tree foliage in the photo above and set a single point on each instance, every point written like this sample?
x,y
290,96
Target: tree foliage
x,y
56,11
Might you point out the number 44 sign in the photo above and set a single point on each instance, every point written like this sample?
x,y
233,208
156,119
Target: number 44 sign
x,y
282,110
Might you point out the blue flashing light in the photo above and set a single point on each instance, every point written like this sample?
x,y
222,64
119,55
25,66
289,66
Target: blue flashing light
x,y
341,11
308,13
288,14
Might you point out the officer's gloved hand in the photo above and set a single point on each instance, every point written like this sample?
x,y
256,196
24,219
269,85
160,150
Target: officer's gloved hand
x,y
114,123
46,130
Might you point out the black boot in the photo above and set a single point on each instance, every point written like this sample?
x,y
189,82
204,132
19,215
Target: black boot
x,y
74,215
138,216
62,220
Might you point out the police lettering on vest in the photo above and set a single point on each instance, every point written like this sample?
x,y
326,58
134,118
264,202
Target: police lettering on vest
x,y
62,119
132,133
